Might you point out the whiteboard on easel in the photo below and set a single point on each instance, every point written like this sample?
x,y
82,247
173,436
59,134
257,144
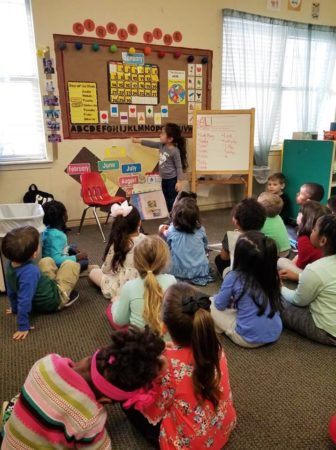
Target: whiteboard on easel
x,y
223,141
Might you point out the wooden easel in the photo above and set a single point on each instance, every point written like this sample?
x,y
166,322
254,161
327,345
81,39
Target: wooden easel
x,y
223,144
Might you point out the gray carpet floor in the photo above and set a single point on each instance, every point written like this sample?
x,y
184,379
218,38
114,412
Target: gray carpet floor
x,y
284,393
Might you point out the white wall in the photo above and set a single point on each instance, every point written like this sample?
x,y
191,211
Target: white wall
x,y
200,22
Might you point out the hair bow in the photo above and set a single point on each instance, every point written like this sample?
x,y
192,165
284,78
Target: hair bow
x,y
121,210
192,304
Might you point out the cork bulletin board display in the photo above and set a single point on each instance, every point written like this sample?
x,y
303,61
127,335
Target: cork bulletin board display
x,y
108,91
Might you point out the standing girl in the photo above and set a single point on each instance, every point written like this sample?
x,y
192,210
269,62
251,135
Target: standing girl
x,y
54,241
118,266
61,404
188,244
307,253
193,407
247,306
172,160
140,300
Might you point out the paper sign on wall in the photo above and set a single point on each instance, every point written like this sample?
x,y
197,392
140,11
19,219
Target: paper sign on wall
x,y
78,168
83,102
176,87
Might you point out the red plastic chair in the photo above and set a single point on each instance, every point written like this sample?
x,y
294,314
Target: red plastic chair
x,y
95,195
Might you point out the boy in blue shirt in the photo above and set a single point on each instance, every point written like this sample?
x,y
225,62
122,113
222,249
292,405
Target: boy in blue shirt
x,y
32,288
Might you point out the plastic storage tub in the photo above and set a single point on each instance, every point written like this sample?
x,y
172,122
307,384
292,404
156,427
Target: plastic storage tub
x,y
19,215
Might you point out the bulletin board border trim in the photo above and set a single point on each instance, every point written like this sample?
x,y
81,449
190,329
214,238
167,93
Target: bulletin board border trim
x,y
123,45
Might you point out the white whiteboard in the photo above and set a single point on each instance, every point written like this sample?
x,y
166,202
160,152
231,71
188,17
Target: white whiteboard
x,y
222,142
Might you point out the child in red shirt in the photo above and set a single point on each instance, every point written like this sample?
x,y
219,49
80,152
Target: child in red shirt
x,y
307,253
193,403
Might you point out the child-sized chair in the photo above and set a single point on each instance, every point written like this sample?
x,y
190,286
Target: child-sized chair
x,y
95,195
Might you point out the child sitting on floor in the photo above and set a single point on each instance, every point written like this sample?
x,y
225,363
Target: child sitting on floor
x,y
32,288
61,404
307,253
188,244
310,191
118,266
310,310
193,407
182,194
54,241
247,306
274,226
246,215
276,184
140,300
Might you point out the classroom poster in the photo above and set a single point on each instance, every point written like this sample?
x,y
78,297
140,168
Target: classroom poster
x,y
133,84
83,102
176,87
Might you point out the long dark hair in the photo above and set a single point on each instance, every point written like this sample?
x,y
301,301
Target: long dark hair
x,y
186,313
310,211
122,227
173,131
255,258
185,215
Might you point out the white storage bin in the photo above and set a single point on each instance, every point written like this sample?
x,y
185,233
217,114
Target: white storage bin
x,y
19,215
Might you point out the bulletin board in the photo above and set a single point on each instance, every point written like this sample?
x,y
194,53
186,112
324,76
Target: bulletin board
x,y
223,144
106,94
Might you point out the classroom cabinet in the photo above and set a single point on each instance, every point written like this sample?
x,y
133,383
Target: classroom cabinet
x,y
305,161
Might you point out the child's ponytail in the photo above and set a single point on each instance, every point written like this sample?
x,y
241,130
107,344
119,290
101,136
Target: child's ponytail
x,y
151,257
206,350
186,313
153,301
173,131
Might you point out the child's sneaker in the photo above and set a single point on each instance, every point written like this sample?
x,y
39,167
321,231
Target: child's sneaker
x,y
74,295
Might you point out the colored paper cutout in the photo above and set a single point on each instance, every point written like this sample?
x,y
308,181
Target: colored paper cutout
x,y
191,70
164,111
149,111
141,118
132,112
103,116
157,118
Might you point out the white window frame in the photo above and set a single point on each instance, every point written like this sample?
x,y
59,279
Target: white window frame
x,y
33,161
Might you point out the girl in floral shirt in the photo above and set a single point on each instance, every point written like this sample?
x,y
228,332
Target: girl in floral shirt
x,y
193,399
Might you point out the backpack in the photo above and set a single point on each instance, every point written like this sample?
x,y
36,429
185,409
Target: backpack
x,y
34,195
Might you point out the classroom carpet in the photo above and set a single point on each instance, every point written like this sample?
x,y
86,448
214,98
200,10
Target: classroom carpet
x,y
284,393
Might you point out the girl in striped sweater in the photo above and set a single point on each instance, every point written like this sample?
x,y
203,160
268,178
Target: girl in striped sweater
x,y
61,404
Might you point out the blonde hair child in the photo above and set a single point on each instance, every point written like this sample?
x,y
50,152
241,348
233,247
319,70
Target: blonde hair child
x,y
140,300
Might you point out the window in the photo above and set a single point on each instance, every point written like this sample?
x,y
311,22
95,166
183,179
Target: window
x,y
286,70
22,136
